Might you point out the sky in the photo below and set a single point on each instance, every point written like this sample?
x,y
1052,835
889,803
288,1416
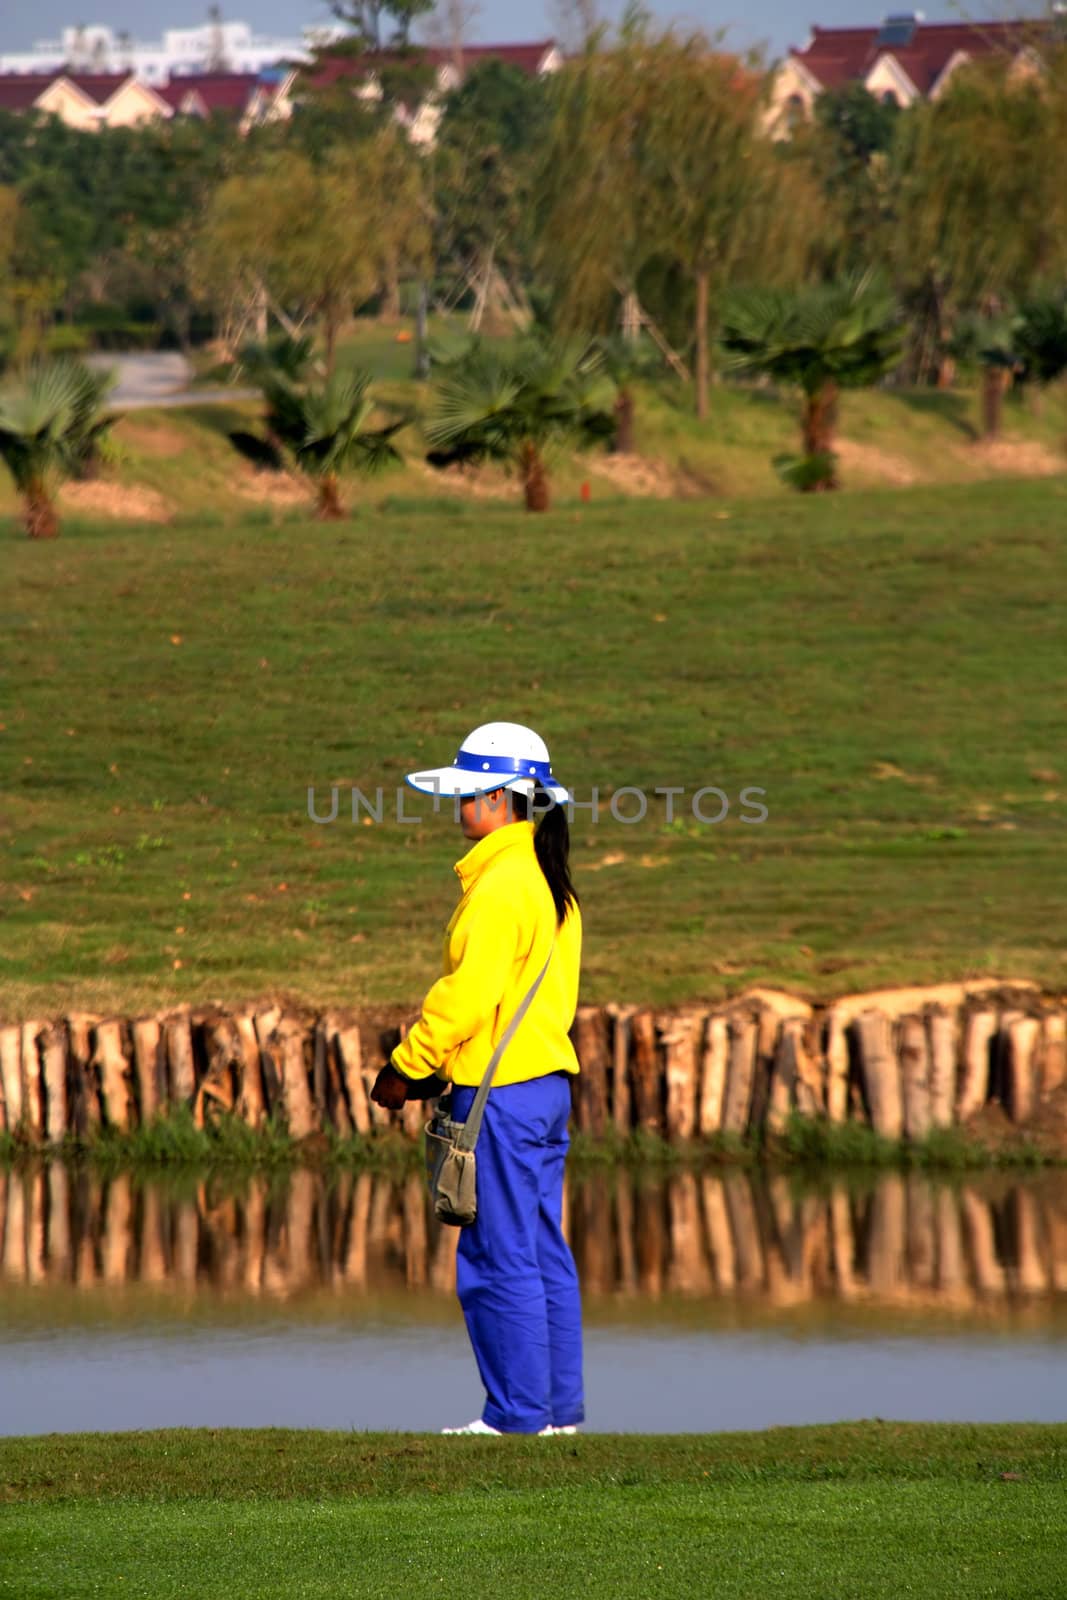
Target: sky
x,y
774,23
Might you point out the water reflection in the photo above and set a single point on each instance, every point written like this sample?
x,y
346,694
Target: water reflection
x,y
741,1237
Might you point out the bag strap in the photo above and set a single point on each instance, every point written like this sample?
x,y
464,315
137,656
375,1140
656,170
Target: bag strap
x,y
467,1137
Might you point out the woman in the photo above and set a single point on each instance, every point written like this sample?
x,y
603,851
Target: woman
x,y
515,1275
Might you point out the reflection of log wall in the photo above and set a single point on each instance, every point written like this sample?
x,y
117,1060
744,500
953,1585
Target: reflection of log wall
x,y
906,1062
905,1240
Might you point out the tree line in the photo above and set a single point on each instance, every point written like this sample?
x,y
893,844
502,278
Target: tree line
x,y
634,201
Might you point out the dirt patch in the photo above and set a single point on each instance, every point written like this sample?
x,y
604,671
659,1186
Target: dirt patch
x,y
874,463
1025,458
650,477
132,501
274,489
476,483
152,441
637,475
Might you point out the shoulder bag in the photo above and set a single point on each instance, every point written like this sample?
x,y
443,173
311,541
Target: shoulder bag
x,y
450,1166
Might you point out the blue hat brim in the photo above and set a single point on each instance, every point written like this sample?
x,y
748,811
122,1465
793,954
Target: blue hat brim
x,y
451,781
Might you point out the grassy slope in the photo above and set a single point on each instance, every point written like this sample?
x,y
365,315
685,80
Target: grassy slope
x,y
872,1509
890,438
887,668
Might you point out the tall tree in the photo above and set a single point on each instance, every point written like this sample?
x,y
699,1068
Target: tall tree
x,y
318,239
980,208
369,18
656,161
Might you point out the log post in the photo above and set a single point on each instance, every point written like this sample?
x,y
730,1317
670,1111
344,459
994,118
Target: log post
x,y
112,1070
11,1078
31,1079
880,1073
768,1030
83,1101
914,1053
1021,1064
742,1031
783,1077
646,1078
265,1023
286,1047
589,1035
1053,1052
336,1097
681,1038
349,1053
180,1059
149,1066
320,1087
713,1075
808,1088
251,1104
978,1031
942,1031
836,1066
53,1044
621,1096
217,1088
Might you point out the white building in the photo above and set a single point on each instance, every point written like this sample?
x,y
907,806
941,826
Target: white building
x,y
212,47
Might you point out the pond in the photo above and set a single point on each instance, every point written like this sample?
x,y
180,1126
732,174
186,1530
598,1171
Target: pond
x,y
713,1299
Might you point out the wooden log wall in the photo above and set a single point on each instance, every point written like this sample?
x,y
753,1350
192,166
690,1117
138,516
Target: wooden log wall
x,y
904,1062
747,1236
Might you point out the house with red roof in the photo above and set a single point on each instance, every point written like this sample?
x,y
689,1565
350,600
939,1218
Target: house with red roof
x,y
84,100
87,100
245,97
899,60
450,67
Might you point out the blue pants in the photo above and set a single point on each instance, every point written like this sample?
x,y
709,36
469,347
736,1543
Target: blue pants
x,y
515,1274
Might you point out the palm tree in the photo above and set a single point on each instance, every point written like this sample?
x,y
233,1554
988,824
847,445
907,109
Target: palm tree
x,y
821,339
51,422
627,360
489,406
324,428
988,339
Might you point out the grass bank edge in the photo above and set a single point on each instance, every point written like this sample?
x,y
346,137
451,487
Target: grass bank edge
x,y
173,1142
289,1463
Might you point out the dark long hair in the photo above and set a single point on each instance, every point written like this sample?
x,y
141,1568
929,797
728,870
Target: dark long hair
x,y
552,843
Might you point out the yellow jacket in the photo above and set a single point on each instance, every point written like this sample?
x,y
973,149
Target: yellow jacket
x,y
495,945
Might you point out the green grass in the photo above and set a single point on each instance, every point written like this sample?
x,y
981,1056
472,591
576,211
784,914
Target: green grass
x,y
174,1142
873,1509
887,668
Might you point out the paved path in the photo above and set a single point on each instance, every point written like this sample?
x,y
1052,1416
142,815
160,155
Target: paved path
x,y
159,378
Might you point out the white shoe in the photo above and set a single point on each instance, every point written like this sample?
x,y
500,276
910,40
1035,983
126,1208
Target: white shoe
x,y
477,1426
569,1427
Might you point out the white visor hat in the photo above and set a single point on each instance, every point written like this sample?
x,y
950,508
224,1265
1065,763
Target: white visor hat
x,y
498,755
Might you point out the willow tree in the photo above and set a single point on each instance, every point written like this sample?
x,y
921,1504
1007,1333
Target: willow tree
x,y
979,206
657,154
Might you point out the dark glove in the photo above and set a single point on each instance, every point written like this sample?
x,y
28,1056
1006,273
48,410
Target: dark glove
x,y
390,1088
